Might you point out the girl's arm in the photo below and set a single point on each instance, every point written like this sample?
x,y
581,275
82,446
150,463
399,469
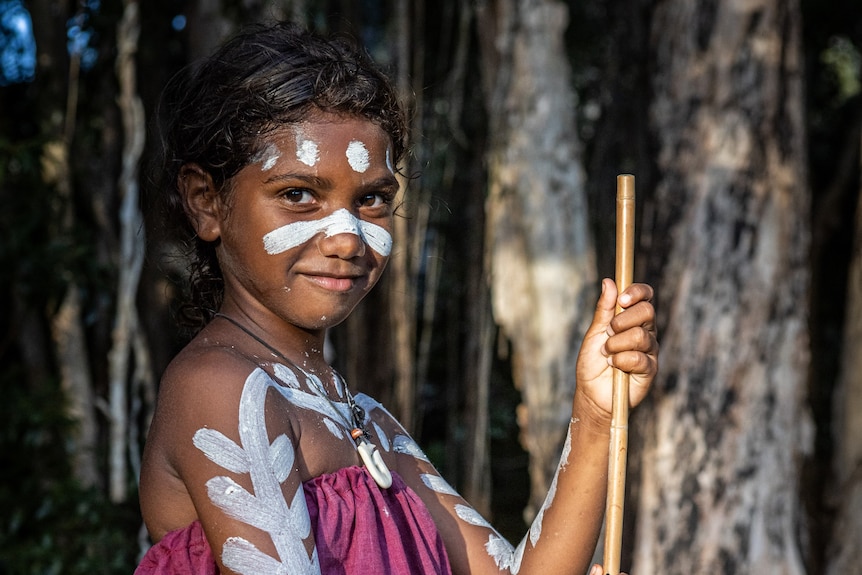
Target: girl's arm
x,y
564,534
244,485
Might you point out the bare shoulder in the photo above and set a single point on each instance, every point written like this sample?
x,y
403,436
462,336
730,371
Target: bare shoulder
x,y
201,388
205,372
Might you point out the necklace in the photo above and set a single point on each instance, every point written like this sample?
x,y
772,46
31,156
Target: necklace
x,y
371,458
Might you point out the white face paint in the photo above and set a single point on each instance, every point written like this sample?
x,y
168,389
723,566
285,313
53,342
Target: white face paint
x,y
357,156
389,160
338,222
307,151
267,157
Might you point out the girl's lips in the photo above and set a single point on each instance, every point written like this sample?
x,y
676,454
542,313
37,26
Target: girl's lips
x,y
336,284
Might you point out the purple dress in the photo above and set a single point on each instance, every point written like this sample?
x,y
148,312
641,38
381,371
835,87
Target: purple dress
x,y
358,529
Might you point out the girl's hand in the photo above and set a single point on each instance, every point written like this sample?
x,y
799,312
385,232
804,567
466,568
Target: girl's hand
x,y
626,341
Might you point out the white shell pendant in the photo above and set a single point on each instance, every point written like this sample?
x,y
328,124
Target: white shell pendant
x,y
374,462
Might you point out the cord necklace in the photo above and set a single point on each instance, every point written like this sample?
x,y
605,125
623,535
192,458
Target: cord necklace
x,y
371,458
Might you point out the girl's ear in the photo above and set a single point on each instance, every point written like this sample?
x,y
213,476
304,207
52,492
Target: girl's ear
x,y
201,201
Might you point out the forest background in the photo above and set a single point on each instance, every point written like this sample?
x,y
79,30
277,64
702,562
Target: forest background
x,y
740,120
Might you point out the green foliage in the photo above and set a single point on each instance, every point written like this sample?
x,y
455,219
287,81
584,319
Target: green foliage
x,y
39,256
49,523
844,64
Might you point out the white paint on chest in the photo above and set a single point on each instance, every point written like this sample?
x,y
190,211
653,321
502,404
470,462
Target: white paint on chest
x,y
357,156
338,222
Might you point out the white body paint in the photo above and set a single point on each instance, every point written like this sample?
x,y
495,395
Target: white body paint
x,y
269,465
357,156
536,527
438,484
338,222
287,523
406,445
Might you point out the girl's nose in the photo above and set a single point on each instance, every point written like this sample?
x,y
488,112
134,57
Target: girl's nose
x,y
344,244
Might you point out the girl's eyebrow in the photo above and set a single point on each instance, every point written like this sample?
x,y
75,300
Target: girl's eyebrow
x,y
316,181
387,181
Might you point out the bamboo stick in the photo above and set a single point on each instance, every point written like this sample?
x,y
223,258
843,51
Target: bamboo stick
x,y
620,414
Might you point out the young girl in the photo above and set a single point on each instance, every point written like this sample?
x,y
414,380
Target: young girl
x,y
281,156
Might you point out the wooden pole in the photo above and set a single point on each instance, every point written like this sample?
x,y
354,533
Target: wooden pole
x,y
620,415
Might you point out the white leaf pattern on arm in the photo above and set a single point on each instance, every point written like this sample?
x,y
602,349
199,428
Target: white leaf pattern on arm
x,y
288,525
221,450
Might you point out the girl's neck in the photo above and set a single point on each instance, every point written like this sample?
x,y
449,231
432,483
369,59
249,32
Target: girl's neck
x,y
302,348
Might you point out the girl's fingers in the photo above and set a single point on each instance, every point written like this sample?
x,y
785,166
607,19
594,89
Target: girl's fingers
x,y
639,314
636,293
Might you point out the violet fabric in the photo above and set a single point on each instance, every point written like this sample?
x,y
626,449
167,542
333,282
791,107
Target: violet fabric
x,y
359,529
181,552
362,529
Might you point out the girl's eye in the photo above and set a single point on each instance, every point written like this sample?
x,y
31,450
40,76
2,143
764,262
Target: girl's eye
x,y
374,200
298,196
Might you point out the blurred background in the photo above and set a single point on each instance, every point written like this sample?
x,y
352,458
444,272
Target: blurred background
x,y
741,123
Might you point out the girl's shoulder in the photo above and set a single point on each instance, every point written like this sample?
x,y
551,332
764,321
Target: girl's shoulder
x,y
202,388
209,368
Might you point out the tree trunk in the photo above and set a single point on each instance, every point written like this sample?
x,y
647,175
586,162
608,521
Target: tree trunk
x,y
403,301
541,256
128,347
59,95
845,555
730,237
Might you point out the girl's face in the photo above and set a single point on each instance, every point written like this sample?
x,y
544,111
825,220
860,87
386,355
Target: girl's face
x,y
306,229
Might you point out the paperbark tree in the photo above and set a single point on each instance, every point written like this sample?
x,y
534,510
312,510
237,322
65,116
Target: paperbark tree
x,y
542,264
130,369
729,244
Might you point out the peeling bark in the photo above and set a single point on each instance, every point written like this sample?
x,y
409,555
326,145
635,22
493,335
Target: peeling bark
x,y
729,427
541,256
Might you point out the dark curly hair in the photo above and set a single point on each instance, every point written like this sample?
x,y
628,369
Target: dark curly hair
x,y
262,78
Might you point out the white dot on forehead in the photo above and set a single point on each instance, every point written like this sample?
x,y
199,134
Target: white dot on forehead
x,y
357,156
268,157
306,151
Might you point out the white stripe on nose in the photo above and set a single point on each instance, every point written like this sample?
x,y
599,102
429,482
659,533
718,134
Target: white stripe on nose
x,y
338,222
